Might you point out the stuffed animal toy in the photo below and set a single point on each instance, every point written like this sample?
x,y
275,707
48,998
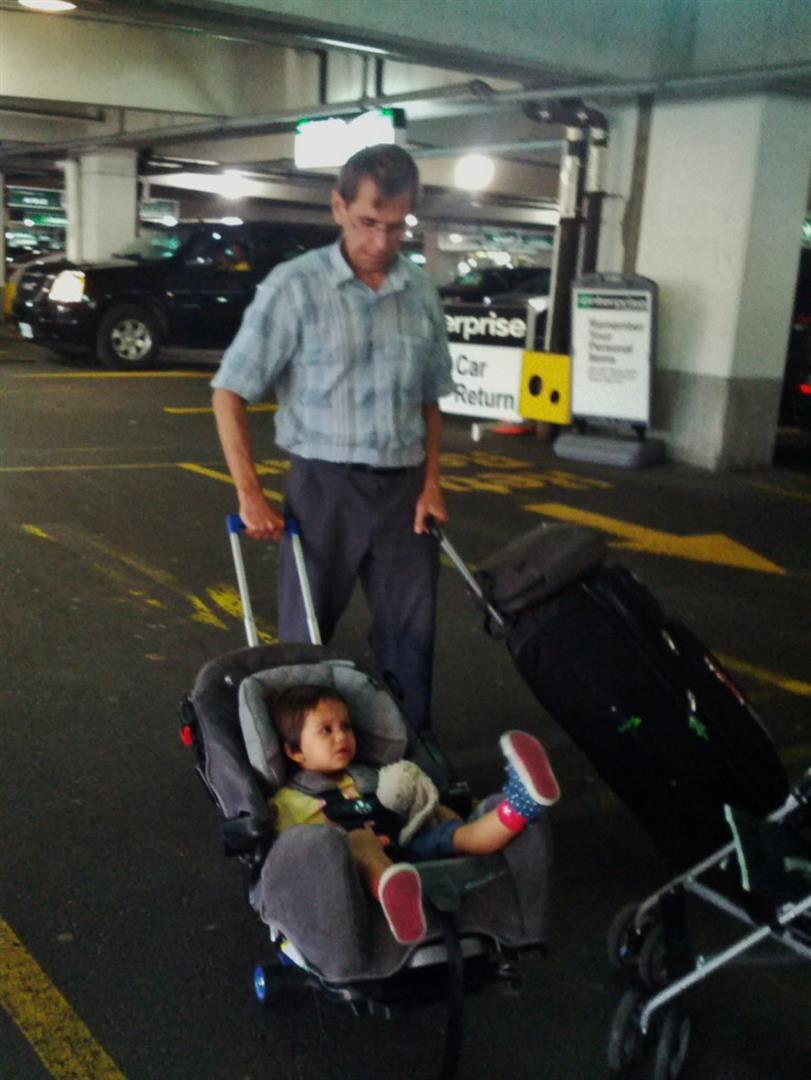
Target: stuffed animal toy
x,y
405,789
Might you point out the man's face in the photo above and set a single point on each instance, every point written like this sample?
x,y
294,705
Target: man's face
x,y
373,227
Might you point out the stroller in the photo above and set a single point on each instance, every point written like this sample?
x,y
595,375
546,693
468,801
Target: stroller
x,y
669,731
481,912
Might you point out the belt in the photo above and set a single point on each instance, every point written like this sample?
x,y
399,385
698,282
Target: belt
x,y
378,470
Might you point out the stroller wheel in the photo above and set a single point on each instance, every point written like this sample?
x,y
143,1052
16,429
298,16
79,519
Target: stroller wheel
x,y
652,959
267,983
672,1044
625,939
625,1040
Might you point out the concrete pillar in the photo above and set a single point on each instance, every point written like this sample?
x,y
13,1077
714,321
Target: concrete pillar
x,y
108,201
3,218
73,212
725,198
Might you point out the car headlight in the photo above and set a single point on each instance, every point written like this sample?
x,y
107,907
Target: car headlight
x,y
68,287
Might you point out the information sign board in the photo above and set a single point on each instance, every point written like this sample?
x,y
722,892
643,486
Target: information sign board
x,y
613,332
34,198
486,346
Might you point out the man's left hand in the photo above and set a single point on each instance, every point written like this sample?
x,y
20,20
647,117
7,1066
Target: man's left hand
x,y
431,503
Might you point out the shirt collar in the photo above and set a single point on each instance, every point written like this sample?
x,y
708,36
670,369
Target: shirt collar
x,y
397,278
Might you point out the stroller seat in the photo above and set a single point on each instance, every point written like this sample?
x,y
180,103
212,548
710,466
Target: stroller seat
x,y
308,875
304,886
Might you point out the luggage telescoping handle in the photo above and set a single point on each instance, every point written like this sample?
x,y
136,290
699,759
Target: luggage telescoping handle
x,y
463,569
291,526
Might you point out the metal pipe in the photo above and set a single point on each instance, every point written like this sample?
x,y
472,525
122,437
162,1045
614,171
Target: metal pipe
x,y
237,124
594,193
564,259
734,81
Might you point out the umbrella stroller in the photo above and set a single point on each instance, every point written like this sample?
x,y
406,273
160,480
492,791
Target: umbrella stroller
x,y
678,742
481,912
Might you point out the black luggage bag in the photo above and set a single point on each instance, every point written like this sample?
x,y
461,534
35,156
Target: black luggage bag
x,y
653,710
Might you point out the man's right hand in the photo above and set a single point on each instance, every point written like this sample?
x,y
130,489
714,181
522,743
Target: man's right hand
x,y
262,521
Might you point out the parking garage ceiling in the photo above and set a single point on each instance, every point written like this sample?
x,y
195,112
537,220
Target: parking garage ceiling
x,y
223,81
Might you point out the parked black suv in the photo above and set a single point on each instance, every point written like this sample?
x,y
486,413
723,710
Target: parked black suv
x,y
183,286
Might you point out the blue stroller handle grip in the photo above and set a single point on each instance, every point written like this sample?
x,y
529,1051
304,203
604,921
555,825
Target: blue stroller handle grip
x,y
235,524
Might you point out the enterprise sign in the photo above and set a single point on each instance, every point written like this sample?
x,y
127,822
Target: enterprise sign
x,y
486,346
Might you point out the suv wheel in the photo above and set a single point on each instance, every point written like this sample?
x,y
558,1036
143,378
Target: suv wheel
x,y
128,338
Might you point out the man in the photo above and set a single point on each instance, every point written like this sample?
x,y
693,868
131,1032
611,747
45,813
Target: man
x,y
352,339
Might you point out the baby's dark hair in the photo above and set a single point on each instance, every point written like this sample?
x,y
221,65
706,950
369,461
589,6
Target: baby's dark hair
x,y
293,705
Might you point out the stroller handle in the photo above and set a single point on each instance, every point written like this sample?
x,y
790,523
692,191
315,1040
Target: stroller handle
x,y
436,531
235,526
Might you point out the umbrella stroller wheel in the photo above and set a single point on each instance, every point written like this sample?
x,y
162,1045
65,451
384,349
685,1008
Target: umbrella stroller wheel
x,y
652,959
625,939
672,1045
625,1040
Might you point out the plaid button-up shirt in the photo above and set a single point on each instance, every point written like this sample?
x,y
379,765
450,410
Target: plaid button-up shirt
x,y
351,367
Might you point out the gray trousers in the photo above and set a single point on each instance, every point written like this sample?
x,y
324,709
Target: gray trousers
x,y
358,525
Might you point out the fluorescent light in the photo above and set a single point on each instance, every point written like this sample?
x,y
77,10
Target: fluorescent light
x,y
231,184
231,220
51,6
474,172
411,220
352,45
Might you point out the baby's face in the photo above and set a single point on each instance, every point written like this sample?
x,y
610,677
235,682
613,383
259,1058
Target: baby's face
x,y
327,739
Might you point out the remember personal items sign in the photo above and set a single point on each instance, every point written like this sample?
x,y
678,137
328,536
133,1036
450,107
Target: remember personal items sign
x,y
613,321
486,347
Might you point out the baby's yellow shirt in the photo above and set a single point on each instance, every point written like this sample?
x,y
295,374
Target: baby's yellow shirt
x,y
295,807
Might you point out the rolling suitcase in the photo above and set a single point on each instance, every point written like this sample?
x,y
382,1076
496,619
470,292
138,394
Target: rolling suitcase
x,y
653,710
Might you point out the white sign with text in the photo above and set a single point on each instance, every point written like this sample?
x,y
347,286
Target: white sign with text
x,y
612,333
487,381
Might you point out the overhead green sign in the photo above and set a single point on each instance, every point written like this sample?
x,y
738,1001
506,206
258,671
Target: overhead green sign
x,y
48,221
34,198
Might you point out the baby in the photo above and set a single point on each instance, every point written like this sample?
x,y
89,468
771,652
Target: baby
x,y
316,730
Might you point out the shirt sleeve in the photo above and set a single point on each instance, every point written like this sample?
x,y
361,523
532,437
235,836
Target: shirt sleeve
x,y
264,344
438,377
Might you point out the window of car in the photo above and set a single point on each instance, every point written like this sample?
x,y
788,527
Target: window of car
x,y
154,246
274,244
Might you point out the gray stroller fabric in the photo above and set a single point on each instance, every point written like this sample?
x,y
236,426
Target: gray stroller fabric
x,y
341,930
375,718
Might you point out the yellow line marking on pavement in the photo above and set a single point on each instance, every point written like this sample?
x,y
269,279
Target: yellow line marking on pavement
x,y
214,474
709,547
195,410
202,612
785,682
34,530
86,468
800,495
59,1037
227,598
112,375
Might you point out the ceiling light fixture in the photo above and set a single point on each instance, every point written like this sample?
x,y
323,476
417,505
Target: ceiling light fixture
x,y
52,7
354,46
474,172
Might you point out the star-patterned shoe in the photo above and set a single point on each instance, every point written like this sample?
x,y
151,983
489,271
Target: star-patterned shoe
x,y
531,784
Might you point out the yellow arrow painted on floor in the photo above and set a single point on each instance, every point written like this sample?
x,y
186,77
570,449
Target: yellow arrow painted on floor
x,y
709,547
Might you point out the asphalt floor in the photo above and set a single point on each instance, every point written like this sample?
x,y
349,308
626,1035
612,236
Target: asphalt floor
x,y
126,942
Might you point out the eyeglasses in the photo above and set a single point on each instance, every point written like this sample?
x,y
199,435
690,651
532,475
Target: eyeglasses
x,y
369,225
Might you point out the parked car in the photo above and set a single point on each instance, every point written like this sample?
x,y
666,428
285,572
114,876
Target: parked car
x,y
497,284
186,286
